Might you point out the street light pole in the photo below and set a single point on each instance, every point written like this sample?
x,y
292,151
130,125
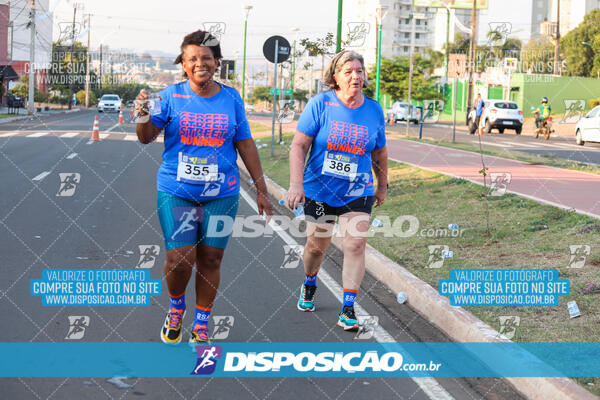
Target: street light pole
x,y
338,39
247,9
557,44
31,91
471,63
295,30
87,66
381,13
410,67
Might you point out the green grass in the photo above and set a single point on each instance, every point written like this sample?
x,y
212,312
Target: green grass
x,y
524,234
2,116
511,154
257,127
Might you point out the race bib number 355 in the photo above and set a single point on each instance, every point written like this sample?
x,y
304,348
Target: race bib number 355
x,y
340,165
193,169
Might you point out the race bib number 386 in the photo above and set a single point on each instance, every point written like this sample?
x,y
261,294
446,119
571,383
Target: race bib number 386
x,y
193,169
340,165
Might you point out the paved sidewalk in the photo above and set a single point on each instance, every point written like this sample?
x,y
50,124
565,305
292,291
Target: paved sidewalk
x,y
555,186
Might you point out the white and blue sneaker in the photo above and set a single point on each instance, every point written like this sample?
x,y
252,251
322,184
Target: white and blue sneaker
x,y
347,319
306,302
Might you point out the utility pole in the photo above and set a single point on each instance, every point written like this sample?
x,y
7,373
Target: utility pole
x,y
87,66
471,63
447,61
557,44
72,51
410,68
30,105
100,65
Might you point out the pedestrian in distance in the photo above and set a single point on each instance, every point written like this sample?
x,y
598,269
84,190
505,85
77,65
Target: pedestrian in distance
x,y
343,133
205,127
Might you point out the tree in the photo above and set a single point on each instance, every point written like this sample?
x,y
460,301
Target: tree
x,y
538,56
581,47
21,89
261,93
62,71
437,57
460,44
394,78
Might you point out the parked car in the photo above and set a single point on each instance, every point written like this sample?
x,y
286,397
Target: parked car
x,y
498,114
109,102
399,112
588,127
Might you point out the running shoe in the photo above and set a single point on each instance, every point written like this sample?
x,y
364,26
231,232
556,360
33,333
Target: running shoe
x,y
347,319
306,302
199,335
171,330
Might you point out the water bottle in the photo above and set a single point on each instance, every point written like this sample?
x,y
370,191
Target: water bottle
x,y
299,212
154,104
401,297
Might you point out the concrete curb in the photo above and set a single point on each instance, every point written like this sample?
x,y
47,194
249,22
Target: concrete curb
x,y
22,117
457,323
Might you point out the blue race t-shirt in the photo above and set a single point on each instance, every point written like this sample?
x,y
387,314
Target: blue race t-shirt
x,y
480,104
338,170
199,160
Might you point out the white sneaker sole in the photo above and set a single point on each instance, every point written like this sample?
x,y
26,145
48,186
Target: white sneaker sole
x,y
354,328
305,309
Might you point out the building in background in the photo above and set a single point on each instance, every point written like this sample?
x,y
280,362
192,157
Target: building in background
x,y
572,12
18,38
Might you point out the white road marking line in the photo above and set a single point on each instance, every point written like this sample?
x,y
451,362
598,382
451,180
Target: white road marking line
x,y
160,139
69,134
130,138
9,134
428,385
38,134
490,144
90,141
41,176
514,144
104,135
112,127
71,156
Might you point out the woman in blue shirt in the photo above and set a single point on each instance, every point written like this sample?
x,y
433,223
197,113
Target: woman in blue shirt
x,y
205,127
345,133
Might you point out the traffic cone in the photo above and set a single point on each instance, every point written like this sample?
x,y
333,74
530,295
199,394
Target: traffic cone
x,y
96,129
120,116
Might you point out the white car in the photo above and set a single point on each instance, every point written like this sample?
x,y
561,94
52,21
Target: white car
x,y
109,102
399,112
588,127
498,114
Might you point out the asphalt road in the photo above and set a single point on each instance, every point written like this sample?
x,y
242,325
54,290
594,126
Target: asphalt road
x,y
111,212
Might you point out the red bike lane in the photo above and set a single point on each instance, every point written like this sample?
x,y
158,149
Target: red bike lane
x,y
559,187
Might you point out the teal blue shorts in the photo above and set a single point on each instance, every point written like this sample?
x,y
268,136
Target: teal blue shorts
x,y
187,223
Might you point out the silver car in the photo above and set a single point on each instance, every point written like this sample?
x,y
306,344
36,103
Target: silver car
x,y
399,112
588,127
109,102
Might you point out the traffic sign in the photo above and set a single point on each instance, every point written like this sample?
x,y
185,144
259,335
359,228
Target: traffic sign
x,y
285,92
283,52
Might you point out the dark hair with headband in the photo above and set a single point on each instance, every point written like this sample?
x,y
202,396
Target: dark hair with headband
x,y
200,38
336,65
